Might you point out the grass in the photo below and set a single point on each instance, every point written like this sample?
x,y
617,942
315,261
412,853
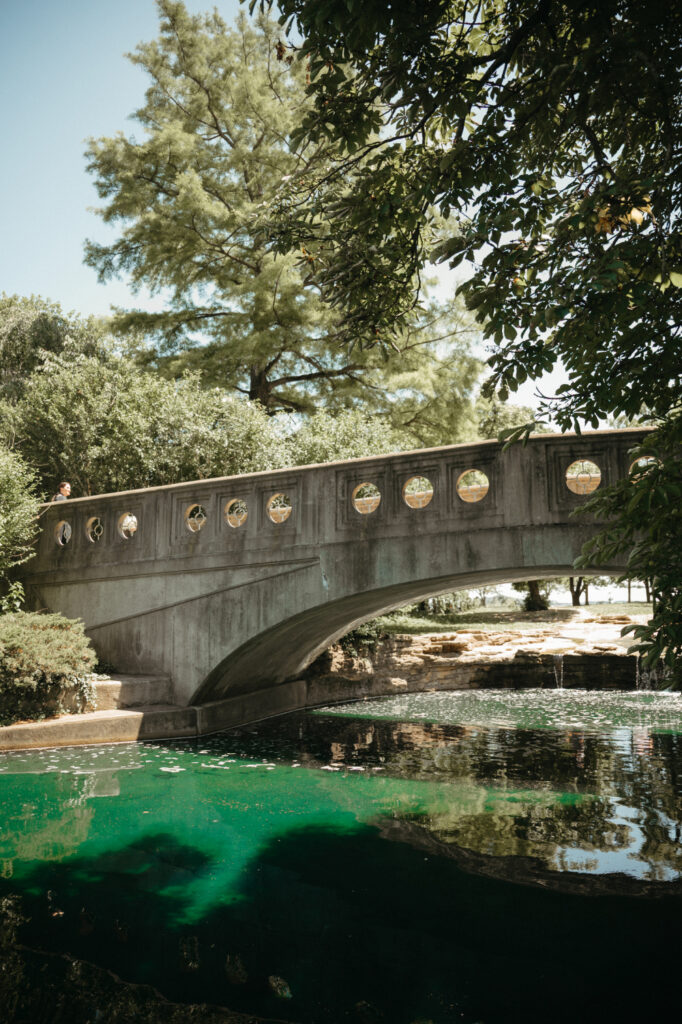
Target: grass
x,y
498,619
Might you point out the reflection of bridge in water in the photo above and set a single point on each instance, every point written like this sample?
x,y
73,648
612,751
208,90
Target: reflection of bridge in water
x,y
232,586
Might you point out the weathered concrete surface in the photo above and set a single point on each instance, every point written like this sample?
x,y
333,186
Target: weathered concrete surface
x,y
132,692
112,726
225,612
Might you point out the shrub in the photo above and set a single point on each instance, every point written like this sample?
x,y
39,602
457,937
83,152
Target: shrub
x,y
364,636
45,666
119,427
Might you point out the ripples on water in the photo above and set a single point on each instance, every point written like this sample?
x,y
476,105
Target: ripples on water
x,y
445,856
586,710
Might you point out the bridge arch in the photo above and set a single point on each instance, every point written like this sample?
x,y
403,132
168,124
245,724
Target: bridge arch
x,y
226,611
286,650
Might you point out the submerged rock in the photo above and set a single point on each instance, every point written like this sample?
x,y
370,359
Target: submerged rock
x,y
235,970
279,987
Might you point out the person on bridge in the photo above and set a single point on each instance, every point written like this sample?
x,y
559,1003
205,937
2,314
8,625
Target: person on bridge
x,y
63,491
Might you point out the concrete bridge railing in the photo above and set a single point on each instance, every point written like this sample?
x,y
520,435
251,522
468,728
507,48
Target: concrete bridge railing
x,y
234,584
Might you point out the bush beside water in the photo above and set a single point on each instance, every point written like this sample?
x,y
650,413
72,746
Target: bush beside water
x,y
46,663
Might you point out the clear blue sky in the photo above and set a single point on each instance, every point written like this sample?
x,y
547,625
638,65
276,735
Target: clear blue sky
x,y
63,78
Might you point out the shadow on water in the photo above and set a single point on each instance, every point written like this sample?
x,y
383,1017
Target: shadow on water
x,y
328,927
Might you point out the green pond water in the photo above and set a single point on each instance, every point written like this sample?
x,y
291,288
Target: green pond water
x,y
478,857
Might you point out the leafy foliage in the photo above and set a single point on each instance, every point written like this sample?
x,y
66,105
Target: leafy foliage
x,y
30,329
548,137
539,144
426,388
13,598
45,663
106,425
350,435
643,513
537,596
497,418
188,197
365,636
19,506
191,199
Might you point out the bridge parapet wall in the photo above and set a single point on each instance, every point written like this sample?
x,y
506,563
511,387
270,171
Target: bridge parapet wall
x,y
526,486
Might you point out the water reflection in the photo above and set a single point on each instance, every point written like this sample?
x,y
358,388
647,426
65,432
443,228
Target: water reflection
x,y
591,802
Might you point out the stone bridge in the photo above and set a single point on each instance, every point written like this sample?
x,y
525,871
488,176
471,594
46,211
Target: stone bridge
x,y
232,586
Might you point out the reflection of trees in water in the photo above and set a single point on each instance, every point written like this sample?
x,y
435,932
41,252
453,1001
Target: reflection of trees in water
x,y
55,821
527,793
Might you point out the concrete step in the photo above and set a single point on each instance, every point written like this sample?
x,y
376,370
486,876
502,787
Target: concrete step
x,y
132,692
158,721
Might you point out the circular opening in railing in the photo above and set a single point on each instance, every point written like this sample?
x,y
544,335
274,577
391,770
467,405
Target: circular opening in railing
x,y
62,533
417,492
94,528
236,512
127,525
195,518
366,498
583,476
279,508
472,485
641,466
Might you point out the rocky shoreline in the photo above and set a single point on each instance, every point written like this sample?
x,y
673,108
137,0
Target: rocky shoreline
x,y
584,652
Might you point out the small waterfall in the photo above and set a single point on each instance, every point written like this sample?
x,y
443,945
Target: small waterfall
x,y
558,670
654,678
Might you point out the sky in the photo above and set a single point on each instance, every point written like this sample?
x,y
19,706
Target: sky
x,y
63,79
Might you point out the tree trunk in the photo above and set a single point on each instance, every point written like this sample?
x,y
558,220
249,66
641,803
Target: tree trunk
x,y
577,587
535,602
259,387
647,590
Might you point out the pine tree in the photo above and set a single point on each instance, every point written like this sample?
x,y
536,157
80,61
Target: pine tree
x,y
191,198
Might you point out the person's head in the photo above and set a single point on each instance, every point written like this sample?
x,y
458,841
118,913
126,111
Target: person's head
x,y
65,488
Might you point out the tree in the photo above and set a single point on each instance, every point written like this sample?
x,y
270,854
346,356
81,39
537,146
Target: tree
x,y
352,434
540,131
425,390
537,594
547,137
30,328
19,506
495,417
107,425
643,518
578,585
189,198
